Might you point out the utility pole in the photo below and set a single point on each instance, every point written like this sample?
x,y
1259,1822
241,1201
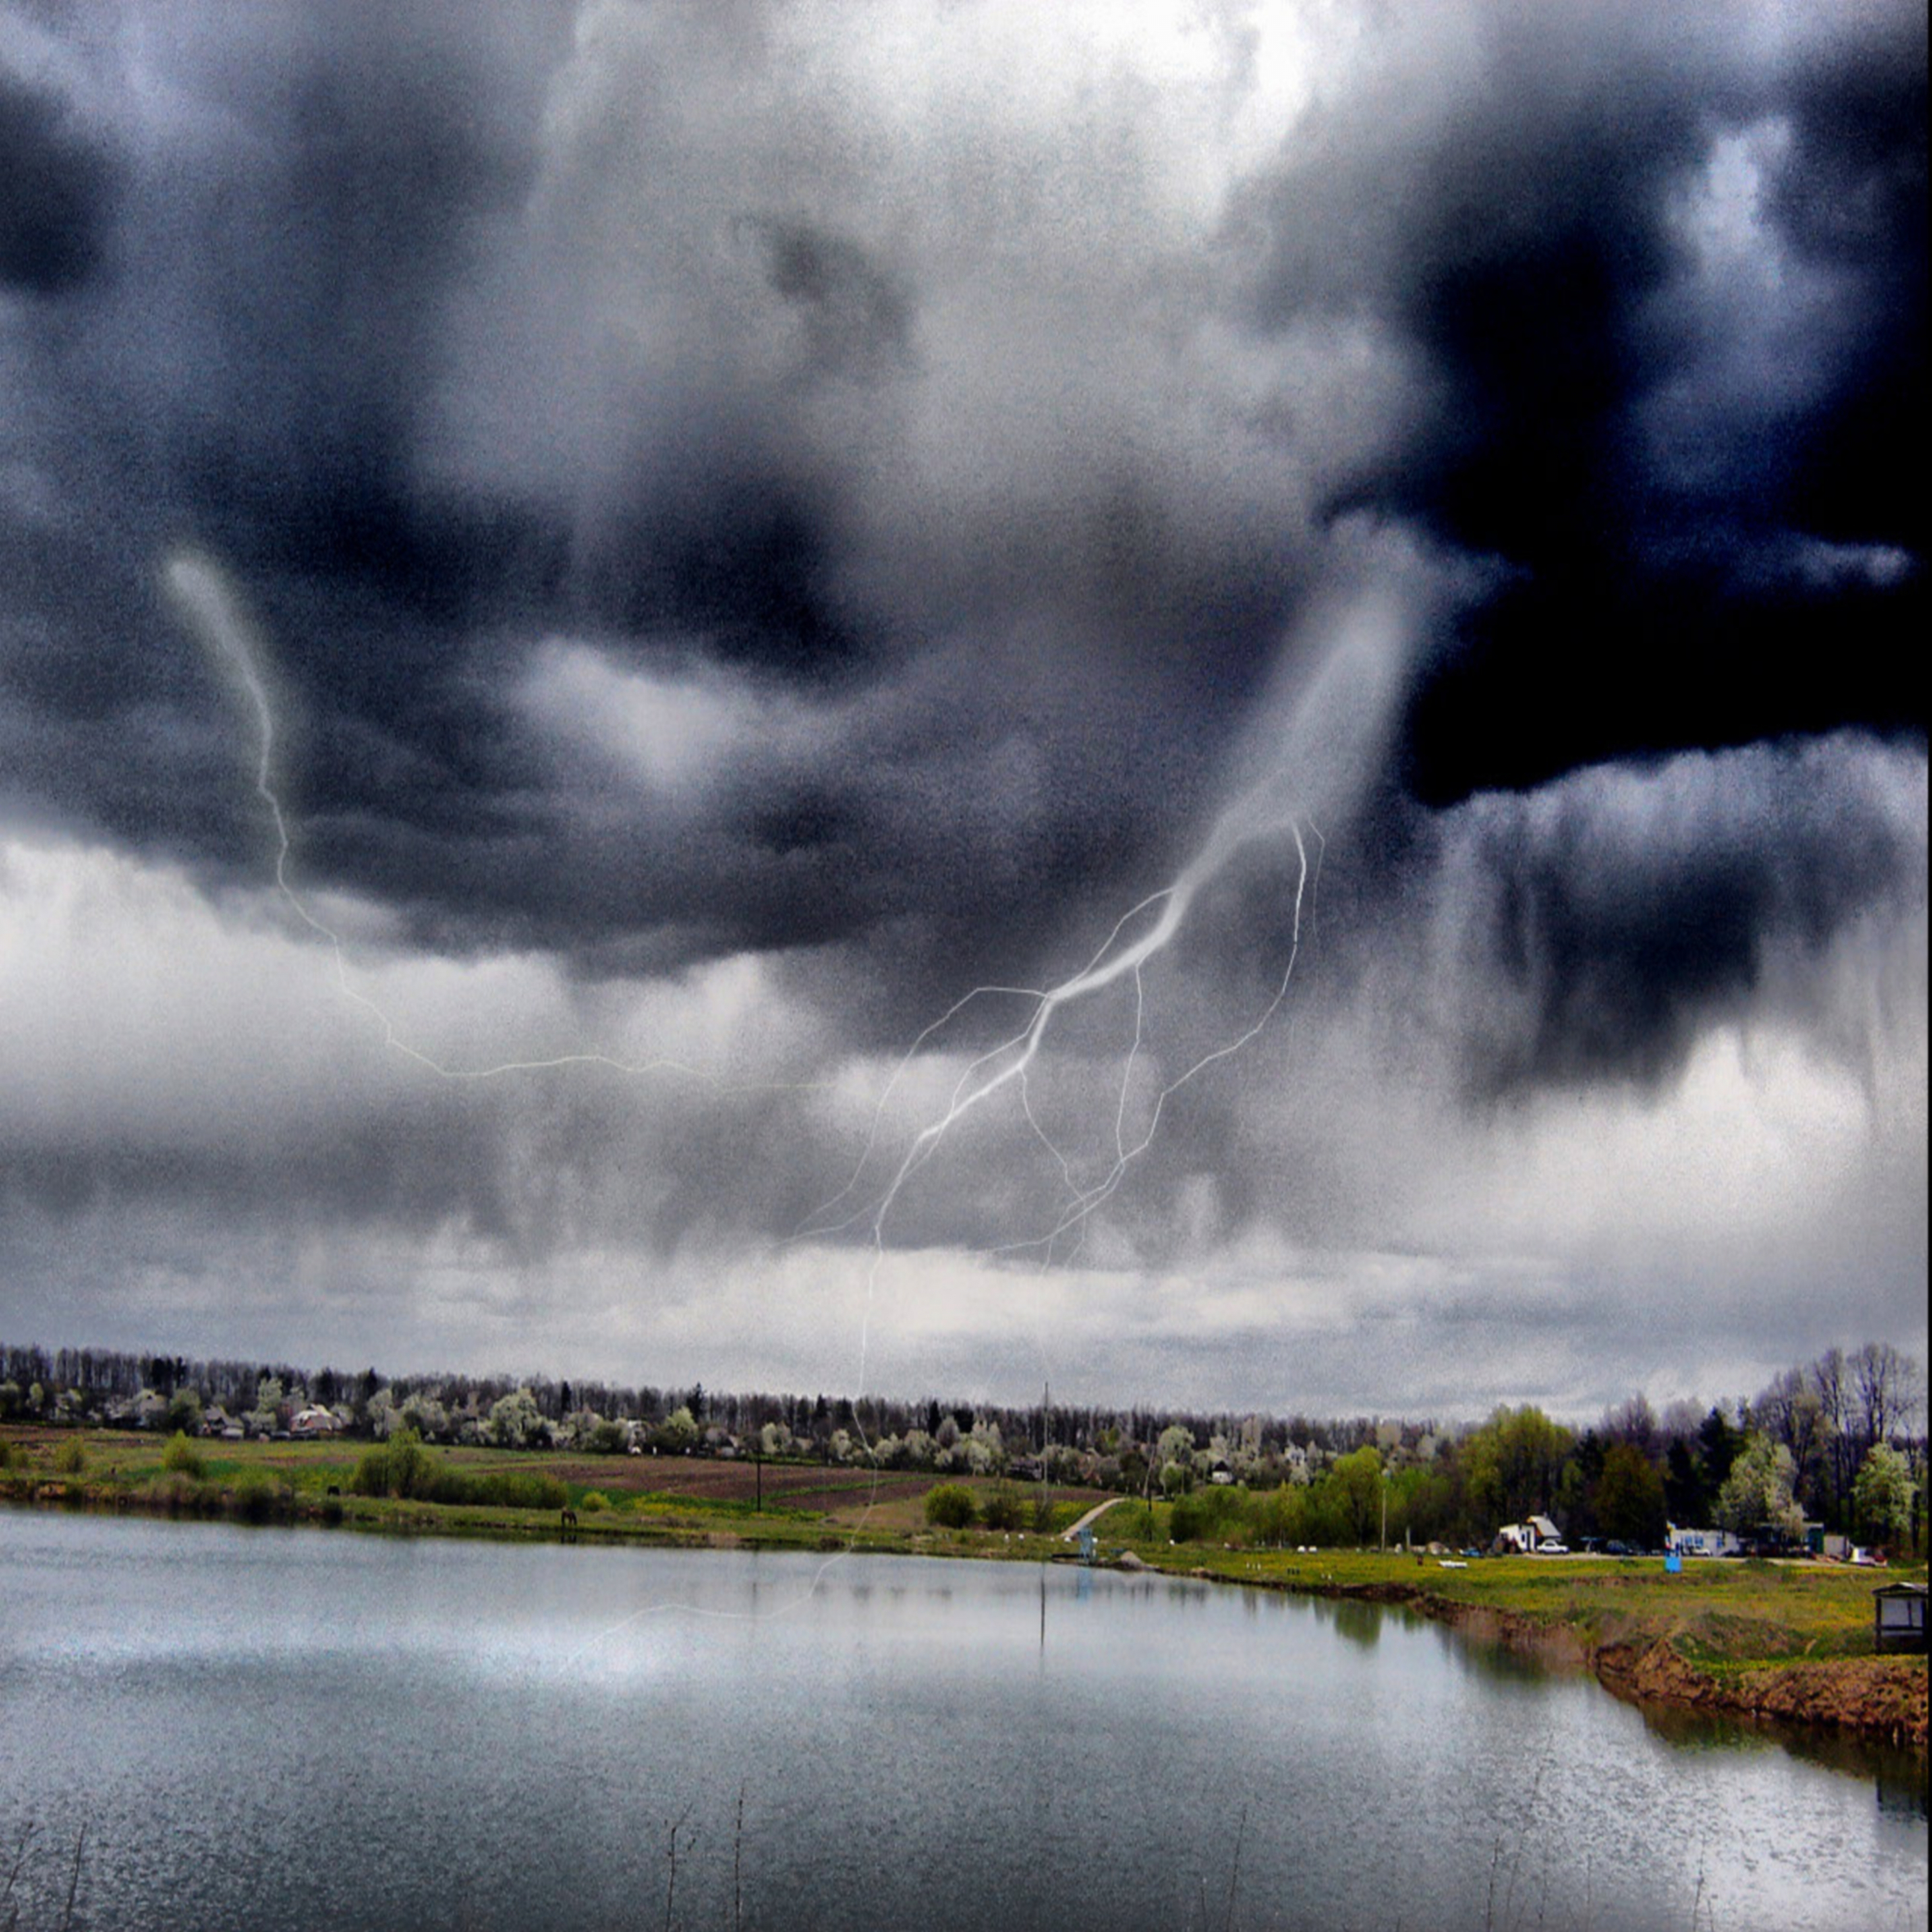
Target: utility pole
x,y
1046,1437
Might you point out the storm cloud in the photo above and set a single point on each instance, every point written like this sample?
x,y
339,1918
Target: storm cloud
x,y
748,522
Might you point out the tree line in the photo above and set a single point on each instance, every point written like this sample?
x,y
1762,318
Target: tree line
x,y
1838,1442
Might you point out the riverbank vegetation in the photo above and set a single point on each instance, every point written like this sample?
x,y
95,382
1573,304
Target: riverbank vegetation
x,y
405,1484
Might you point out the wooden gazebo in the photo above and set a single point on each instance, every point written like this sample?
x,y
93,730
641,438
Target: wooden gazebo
x,y
1898,1617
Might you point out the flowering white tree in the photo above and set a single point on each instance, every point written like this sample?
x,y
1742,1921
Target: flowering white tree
x,y
270,1398
515,1422
1174,1450
424,1413
1882,1495
1757,1493
986,1454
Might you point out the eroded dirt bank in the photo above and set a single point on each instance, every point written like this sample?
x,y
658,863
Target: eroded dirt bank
x,y
1882,1699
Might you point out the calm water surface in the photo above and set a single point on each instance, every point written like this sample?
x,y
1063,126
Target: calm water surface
x,y
268,1729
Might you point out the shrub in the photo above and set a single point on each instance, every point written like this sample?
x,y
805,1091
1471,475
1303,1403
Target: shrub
x,y
404,1467
72,1460
410,1463
181,1458
182,1494
255,1497
1002,1510
1187,1521
401,1467
525,1492
372,1473
1279,1516
435,1482
594,1499
950,1506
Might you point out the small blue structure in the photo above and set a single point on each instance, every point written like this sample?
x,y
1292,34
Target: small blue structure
x,y
1087,1546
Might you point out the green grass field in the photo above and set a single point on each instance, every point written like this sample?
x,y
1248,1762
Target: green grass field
x,y
640,1498
1717,1613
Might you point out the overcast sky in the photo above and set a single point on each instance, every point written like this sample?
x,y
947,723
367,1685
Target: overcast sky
x,y
714,532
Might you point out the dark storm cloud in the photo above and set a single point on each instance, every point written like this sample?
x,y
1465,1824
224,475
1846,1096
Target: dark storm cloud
x,y
1853,199
290,252
1607,922
1623,413
528,1171
57,188
293,197
750,521
725,529
414,1174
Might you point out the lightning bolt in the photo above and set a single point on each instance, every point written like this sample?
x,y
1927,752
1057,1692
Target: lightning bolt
x,y
1310,744
211,610
1163,914
1142,933
214,613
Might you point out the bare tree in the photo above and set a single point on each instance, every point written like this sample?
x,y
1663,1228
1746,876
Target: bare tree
x,y
1832,1380
1886,1388
1790,1411
1633,1421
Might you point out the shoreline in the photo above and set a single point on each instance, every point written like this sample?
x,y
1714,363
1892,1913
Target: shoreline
x,y
1880,1701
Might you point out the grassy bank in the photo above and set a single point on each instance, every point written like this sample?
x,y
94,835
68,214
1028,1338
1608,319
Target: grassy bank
x,y
675,1501
1723,1615
1792,1641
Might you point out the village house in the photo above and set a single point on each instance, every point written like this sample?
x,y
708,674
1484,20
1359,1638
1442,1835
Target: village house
x,y
1681,1542
1527,1537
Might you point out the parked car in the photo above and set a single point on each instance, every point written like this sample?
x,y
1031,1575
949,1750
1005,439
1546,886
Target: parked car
x,y
1550,1547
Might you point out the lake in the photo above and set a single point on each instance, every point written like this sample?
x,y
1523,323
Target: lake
x,y
269,1729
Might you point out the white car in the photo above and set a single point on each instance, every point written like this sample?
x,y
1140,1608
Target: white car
x,y
1550,1547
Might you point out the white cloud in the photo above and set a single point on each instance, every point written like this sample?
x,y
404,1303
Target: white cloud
x,y
674,733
